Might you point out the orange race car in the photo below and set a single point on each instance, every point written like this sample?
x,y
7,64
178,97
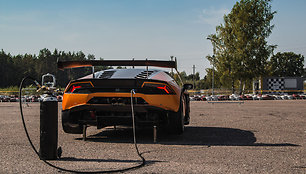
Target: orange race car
x,y
104,98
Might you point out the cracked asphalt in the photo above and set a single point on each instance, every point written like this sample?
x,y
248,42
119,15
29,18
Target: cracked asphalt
x,y
252,137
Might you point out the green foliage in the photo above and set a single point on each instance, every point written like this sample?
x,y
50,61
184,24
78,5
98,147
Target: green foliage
x,y
192,79
240,47
286,64
210,75
14,68
8,89
14,90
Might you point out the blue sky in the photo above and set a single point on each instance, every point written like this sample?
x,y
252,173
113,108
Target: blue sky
x,y
123,29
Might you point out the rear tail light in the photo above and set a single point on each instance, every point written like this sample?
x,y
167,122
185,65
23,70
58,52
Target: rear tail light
x,y
79,87
165,88
73,87
157,88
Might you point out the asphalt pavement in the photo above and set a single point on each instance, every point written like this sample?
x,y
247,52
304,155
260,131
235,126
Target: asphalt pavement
x,y
250,137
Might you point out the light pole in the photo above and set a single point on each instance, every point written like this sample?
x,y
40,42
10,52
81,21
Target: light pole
x,y
193,76
213,69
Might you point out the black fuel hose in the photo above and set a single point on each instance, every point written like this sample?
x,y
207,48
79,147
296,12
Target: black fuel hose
x,y
74,171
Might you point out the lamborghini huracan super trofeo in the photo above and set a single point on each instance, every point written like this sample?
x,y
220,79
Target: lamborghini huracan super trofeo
x,y
104,98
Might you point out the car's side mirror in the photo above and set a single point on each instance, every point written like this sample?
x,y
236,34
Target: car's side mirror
x,y
187,86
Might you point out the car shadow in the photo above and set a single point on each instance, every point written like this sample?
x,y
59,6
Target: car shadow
x,y
202,136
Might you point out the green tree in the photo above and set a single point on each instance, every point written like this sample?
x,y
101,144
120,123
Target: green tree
x,y
209,76
240,47
47,62
203,84
195,76
286,64
182,75
6,69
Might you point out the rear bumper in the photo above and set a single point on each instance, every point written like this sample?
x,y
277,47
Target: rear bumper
x,y
114,108
102,115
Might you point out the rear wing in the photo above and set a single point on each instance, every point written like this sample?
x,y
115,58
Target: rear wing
x,y
91,63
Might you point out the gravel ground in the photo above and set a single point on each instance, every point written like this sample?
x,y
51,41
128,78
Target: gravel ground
x,y
252,137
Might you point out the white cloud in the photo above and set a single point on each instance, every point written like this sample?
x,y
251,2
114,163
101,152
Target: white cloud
x,y
212,16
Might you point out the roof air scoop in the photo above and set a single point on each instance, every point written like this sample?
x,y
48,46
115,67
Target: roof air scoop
x,y
106,74
144,74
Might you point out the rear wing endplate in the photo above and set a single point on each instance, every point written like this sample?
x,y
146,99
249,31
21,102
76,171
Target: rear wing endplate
x,y
89,63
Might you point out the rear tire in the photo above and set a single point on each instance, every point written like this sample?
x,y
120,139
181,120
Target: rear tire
x,y
68,126
187,113
176,119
